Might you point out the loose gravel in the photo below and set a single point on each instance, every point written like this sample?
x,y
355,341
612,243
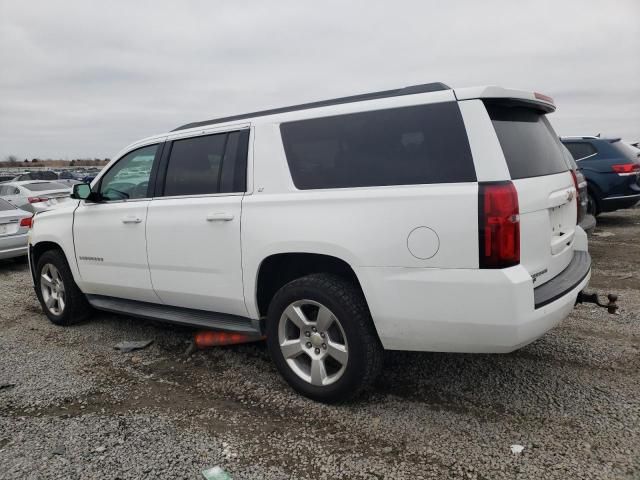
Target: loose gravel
x,y
71,406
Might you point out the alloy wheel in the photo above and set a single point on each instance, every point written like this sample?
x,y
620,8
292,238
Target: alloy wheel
x,y
52,288
313,342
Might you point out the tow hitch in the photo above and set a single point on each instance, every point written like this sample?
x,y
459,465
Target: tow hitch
x,y
592,297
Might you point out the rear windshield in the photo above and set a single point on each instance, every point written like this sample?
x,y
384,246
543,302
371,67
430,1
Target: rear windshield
x,y
41,187
4,205
399,146
529,144
627,151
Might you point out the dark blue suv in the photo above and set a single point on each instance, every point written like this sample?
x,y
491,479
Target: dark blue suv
x,y
612,170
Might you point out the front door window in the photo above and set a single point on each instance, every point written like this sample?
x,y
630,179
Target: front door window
x,y
129,178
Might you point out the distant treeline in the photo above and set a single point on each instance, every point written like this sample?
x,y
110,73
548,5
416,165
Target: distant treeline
x,y
13,161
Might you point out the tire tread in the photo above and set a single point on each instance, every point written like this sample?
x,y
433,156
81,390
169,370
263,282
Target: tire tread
x,y
352,300
77,309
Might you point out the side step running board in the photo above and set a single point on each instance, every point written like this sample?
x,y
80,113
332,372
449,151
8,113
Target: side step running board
x,y
183,316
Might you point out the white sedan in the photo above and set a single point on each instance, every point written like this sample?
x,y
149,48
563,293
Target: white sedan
x,y
14,226
35,195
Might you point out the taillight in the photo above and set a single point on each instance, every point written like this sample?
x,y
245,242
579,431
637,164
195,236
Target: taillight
x,y
579,212
36,199
626,168
26,222
498,225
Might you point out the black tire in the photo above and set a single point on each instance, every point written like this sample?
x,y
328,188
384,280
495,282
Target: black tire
x,y
346,302
76,308
592,205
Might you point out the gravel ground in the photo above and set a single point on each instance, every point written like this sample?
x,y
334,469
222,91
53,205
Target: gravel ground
x,y
73,407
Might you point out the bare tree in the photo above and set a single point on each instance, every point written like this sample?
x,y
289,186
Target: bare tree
x,y
12,158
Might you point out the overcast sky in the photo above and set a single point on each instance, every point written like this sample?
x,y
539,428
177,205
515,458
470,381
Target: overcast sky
x,y
85,78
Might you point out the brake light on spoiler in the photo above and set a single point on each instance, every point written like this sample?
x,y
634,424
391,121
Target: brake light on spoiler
x,y
544,98
498,225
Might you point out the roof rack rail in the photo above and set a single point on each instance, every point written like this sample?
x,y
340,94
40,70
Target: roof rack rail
x,y
411,90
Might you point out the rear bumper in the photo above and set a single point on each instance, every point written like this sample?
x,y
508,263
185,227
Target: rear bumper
x,y
610,204
565,282
13,246
456,310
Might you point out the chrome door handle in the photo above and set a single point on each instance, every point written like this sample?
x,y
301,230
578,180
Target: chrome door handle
x,y
131,219
220,217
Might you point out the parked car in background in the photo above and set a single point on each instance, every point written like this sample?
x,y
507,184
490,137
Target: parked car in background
x,y
89,178
420,218
6,178
585,219
37,175
612,170
34,196
69,182
68,178
14,228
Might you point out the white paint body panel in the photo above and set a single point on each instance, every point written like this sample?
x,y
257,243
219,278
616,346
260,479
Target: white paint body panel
x,y
196,262
121,269
440,303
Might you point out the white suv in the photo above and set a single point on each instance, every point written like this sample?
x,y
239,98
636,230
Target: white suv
x,y
423,218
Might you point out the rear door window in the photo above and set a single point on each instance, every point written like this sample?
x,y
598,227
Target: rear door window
x,y
580,150
207,164
423,144
530,146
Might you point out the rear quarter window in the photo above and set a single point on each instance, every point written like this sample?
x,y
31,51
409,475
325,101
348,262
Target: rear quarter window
x,y
580,150
530,146
424,144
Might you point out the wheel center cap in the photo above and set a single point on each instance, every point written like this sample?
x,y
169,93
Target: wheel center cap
x,y
316,339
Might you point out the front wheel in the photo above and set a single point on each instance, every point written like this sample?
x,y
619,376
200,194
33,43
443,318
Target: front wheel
x,y
60,297
321,338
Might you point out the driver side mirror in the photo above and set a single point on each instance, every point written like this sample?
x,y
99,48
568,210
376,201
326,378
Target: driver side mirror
x,y
82,191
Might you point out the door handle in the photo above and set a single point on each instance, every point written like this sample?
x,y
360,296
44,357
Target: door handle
x,y
220,217
131,219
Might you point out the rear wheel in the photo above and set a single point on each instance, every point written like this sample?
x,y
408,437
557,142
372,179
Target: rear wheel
x,y
321,338
592,205
60,297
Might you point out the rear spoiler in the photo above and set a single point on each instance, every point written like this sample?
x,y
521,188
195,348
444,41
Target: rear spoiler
x,y
533,99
